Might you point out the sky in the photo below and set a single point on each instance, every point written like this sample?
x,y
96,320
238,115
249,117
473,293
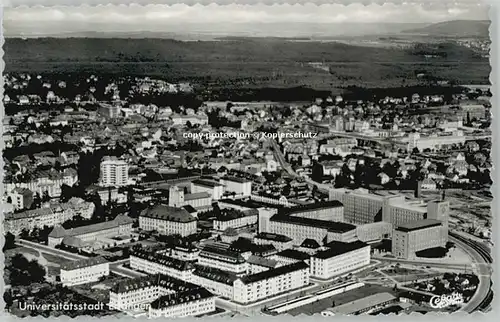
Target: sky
x,y
40,20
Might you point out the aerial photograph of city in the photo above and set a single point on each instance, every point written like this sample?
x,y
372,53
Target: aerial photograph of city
x,y
246,160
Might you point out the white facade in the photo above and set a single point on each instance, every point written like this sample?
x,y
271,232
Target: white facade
x,y
330,263
114,172
222,225
216,190
196,306
240,187
86,274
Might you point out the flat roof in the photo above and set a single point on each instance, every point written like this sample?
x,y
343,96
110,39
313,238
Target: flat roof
x,y
339,248
332,226
420,224
364,303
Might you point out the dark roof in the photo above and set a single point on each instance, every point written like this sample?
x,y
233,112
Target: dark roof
x,y
294,254
332,226
168,213
118,221
215,274
310,243
236,179
419,224
274,272
222,254
206,183
165,281
262,261
273,237
339,248
311,207
83,263
163,260
188,295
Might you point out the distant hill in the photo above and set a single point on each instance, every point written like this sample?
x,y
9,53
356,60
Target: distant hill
x,y
455,28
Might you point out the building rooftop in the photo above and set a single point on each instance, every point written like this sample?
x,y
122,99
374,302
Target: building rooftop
x,y
235,179
161,280
273,237
197,195
162,259
420,224
118,221
294,254
206,183
262,261
225,255
83,263
216,275
248,279
168,213
332,226
310,207
339,248
189,295
363,303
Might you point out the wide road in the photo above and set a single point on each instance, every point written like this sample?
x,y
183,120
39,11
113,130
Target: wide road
x,y
483,271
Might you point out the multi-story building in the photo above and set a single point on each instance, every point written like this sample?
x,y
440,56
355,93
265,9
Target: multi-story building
x,y
290,256
215,189
47,181
374,231
300,228
92,236
51,214
255,287
153,262
114,172
21,198
223,259
339,259
238,186
161,295
280,242
435,141
177,198
415,236
215,280
361,206
84,271
259,264
248,218
167,220
399,213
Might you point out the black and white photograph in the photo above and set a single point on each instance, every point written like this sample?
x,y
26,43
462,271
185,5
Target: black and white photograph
x,y
168,161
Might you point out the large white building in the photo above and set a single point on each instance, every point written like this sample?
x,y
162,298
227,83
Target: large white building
x,y
84,271
161,295
300,228
247,218
254,287
167,220
238,186
339,259
177,198
114,172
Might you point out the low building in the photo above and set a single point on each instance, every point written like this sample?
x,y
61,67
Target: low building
x,y
280,242
289,256
167,220
339,259
364,305
92,236
409,238
84,271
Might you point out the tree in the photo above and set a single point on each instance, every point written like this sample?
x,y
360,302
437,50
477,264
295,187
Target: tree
x,y
10,241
